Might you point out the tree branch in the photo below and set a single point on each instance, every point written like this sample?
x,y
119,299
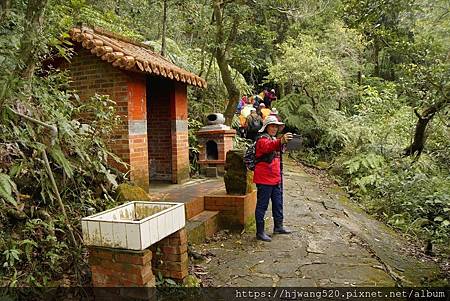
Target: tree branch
x,y
233,34
222,62
310,96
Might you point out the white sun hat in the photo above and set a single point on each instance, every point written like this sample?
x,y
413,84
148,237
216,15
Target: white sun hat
x,y
270,120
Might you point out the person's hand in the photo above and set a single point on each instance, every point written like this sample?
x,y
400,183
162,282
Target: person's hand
x,y
286,137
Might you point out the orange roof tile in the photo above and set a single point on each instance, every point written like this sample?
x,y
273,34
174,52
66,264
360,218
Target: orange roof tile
x,y
124,53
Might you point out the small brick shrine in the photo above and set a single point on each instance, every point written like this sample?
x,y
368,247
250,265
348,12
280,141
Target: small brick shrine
x,y
151,98
215,140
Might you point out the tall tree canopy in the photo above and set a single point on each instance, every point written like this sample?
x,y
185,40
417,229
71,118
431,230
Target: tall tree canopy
x,y
366,83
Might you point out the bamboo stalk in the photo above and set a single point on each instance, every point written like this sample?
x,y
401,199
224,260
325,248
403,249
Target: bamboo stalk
x,y
58,196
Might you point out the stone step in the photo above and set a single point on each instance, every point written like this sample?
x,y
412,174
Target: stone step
x,y
202,226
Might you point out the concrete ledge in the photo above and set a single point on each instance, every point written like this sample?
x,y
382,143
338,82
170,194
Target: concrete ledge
x,y
202,226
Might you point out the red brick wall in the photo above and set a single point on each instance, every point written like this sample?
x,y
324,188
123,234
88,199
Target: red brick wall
x,y
155,147
159,128
180,143
171,256
91,75
112,267
137,129
235,210
121,268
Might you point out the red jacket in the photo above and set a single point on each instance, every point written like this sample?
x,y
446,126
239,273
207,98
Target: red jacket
x,y
267,173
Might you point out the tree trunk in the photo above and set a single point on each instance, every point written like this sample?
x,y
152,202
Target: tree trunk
x,y
282,90
313,101
221,53
376,58
117,7
233,91
164,29
33,26
208,71
420,136
204,53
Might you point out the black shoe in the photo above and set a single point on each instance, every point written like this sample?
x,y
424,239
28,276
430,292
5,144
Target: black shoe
x,y
260,234
263,236
279,229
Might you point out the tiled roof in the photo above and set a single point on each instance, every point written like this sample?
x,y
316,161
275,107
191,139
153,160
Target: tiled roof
x,y
124,53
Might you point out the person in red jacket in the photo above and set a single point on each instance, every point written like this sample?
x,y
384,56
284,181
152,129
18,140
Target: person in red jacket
x,y
267,177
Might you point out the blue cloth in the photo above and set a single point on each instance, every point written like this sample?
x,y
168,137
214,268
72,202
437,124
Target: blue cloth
x,y
266,192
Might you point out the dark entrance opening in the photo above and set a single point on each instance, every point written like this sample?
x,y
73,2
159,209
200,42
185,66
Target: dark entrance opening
x,y
159,128
211,150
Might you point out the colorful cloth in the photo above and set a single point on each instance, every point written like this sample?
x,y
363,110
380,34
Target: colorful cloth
x,y
265,112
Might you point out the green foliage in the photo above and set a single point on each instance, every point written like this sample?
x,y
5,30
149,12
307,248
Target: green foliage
x,y
350,74
409,195
311,72
7,186
194,152
241,143
31,218
165,282
11,257
365,146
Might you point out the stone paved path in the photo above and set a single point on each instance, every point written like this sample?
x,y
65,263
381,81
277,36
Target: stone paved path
x,y
334,244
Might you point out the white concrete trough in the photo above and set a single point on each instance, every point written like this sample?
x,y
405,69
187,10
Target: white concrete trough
x,y
134,225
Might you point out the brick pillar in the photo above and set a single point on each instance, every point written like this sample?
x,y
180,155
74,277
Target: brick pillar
x,y
137,131
179,133
171,257
121,268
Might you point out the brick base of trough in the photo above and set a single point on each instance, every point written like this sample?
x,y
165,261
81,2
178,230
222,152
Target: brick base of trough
x,y
118,267
127,268
170,256
236,211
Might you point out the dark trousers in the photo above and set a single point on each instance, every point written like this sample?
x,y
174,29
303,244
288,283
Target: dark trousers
x,y
266,192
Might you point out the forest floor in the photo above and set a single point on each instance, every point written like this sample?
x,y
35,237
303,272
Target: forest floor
x,y
334,243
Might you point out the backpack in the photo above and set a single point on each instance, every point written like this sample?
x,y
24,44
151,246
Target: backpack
x,y
250,155
255,124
